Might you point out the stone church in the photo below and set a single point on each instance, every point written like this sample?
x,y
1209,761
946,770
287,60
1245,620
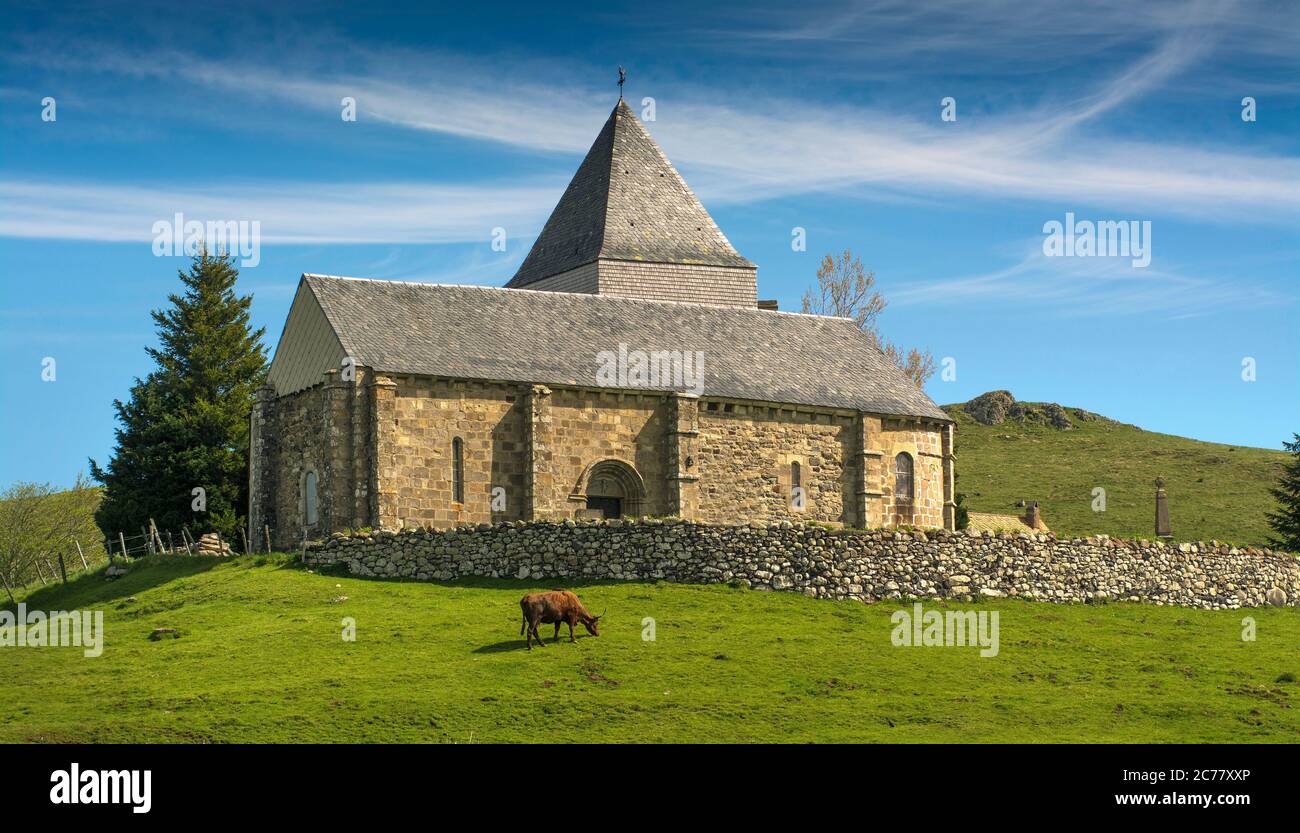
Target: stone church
x,y
627,369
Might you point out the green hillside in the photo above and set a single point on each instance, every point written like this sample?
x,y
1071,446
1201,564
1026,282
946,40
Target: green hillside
x,y
1216,492
260,658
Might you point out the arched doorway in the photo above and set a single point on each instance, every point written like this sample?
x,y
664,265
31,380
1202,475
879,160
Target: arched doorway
x,y
613,488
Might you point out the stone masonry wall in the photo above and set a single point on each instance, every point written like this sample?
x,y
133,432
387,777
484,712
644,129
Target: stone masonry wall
x,y
836,564
428,415
298,427
745,456
586,427
745,465
325,429
924,445
381,448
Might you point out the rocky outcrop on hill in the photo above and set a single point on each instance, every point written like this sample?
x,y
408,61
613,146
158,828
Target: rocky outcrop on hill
x,y
991,408
998,406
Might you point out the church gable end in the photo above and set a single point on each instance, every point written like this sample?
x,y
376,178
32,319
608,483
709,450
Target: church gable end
x,y
308,346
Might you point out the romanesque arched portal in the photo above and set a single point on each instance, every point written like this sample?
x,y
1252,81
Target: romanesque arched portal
x,y
613,488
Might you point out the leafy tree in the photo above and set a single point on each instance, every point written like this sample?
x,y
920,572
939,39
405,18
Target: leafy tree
x,y
185,426
1286,521
846,289
37,524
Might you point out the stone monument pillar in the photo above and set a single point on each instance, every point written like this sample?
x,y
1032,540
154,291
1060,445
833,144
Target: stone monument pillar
x,y
949,477
1162,511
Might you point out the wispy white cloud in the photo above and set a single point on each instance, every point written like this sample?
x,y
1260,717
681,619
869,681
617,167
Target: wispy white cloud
x,y
997,36
749,148
1093,286
295,212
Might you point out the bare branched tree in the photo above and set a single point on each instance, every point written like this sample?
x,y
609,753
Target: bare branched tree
x,y
846,289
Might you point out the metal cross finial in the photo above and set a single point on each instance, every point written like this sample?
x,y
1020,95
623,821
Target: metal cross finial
x,y
622,76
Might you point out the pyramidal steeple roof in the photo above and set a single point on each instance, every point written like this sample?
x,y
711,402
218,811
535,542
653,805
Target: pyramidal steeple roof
x,y
626,202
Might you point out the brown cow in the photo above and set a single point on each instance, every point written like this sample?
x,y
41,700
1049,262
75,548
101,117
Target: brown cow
x,y
558,606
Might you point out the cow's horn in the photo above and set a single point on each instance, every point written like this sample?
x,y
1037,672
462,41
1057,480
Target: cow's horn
x,y
602,613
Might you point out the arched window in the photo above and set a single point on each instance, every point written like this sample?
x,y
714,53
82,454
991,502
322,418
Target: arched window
x,y
309,500
796,475
458,470
903,489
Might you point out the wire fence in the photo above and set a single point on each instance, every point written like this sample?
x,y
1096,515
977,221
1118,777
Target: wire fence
x,y
151,541
54,567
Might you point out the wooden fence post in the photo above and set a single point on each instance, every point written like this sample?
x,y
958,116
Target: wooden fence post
x,y
244,535
266,530
221,544
84,565
121,539
63,570
39,574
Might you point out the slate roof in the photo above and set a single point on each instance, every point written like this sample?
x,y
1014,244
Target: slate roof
x,y
626,202
490,333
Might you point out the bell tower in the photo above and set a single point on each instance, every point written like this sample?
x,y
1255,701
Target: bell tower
x,y
628,225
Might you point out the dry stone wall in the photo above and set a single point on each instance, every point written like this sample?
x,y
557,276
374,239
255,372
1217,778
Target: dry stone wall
x,y
824,563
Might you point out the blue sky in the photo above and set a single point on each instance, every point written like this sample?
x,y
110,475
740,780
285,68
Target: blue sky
x,y
824,117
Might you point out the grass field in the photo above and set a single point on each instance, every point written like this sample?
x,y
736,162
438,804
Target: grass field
x,y
1216,492
260,658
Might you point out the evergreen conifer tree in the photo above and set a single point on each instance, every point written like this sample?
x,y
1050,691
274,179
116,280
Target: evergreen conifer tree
x,y
1286,521
185,426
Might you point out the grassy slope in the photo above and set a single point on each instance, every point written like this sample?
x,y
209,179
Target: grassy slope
x,y
1216,492
260,659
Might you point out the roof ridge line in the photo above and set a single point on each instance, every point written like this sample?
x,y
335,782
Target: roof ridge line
x,y
608,298
609,185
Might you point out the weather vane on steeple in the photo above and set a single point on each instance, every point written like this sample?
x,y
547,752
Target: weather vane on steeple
x,y
622,76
